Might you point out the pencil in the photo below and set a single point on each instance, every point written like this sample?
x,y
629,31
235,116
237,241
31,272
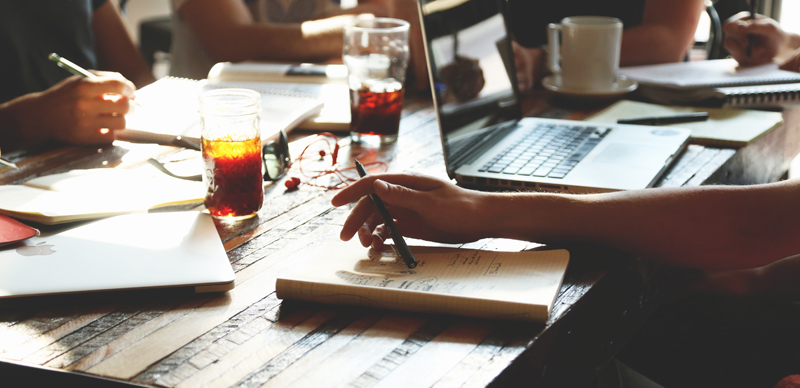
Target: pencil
x,y
399,241
71,67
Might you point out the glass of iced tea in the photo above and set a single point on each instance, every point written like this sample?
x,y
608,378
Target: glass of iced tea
x,y
231,144
376,55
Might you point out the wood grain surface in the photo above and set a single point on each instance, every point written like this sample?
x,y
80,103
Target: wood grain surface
x,y
248,338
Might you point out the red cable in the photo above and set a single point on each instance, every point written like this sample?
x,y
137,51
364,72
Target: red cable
x,y
333,151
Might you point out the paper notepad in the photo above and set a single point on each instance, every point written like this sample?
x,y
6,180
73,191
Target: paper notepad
x,y
476,283
169,108
80,195
708,74
726,127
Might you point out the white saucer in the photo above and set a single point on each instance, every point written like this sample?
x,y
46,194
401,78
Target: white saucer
x,y
621,87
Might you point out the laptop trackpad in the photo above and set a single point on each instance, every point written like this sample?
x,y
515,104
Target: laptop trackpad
x,y
633,155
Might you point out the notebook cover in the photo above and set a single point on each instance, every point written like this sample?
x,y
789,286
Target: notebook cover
x,y
12,231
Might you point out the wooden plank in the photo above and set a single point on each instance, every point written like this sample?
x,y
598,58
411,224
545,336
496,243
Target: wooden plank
x,y
436,357
213,344
36,342
353,358
271,349
247,349
135,335
85,333
103,340
310,350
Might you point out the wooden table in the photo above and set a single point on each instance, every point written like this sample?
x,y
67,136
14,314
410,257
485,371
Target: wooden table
x,y
249,338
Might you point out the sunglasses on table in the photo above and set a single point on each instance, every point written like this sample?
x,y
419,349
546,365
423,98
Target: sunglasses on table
x,y
274,156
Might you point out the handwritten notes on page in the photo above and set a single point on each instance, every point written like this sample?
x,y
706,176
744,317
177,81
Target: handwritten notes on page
x,y
486,284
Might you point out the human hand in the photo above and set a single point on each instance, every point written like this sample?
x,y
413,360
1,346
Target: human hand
x,y
423,207
768,38
77,110
793,63
529,64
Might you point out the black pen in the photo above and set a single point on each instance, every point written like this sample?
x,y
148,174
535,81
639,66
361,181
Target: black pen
x,y
399,242
749,49
662,120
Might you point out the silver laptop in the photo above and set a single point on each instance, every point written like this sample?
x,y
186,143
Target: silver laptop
x,y
136,251
486,141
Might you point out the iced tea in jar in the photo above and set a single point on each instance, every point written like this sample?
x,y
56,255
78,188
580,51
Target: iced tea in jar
x,y
231,146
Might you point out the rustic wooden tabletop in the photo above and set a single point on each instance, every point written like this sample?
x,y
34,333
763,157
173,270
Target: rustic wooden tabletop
x,y
247,337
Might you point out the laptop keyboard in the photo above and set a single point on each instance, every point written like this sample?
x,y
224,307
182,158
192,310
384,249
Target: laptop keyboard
x,y
547,150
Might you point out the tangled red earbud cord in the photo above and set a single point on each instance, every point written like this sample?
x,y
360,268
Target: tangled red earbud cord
x,y
332,143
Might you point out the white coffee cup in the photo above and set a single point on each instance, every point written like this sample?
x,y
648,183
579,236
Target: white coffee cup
x,y
588,56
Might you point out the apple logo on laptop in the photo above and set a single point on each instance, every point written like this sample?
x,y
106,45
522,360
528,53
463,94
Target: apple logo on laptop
x,y
40,249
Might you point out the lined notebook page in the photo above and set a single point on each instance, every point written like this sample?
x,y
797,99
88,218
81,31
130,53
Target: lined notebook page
x,y
509,285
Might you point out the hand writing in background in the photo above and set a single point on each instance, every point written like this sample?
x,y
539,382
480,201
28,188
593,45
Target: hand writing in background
x,y
424,207
77,110
769,41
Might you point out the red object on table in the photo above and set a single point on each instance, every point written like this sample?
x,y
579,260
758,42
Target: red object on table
x,y
12,231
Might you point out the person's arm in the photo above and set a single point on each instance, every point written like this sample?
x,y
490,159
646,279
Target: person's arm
x,y
228,32
115,49
666,33
769,41
714,227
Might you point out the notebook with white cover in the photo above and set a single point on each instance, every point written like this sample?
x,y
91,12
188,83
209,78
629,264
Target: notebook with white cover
x,y
708,74
470,282
169,108
135,251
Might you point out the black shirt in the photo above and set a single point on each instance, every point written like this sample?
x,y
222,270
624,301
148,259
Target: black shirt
x,y
528,19
32,29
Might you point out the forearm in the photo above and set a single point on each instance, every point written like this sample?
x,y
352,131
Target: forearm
x,y
665,34
14,133
309,41
646,45
705,227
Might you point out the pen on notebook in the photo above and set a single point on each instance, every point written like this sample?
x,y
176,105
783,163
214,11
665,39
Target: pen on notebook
x,y
662,120
399,242
749,49
71,67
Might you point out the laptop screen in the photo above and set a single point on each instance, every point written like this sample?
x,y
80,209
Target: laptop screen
x,y
472,68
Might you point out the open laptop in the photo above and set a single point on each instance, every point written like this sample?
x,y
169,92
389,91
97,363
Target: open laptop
x,y
136,251
486,141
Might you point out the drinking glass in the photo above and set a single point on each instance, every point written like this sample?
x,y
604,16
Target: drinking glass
x,y
376,55
231,146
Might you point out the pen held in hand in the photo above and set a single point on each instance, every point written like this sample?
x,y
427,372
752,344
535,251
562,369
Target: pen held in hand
x,y
664,120
388,221
71,67
750,38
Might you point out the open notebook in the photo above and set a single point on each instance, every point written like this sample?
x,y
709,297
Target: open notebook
x,y
476,283
168,108
325,82
80,195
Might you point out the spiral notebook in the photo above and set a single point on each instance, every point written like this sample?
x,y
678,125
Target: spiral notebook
x,y
716,83
168,108
708,74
